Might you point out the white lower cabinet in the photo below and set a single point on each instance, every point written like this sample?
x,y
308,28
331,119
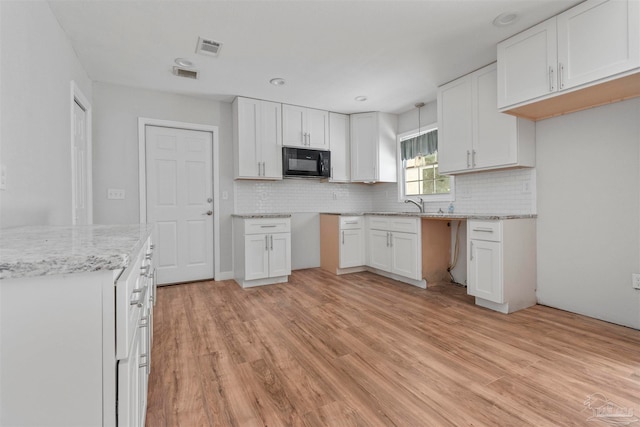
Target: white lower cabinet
x,y
394,247
379,250
501,269
262,250
80,355
342,243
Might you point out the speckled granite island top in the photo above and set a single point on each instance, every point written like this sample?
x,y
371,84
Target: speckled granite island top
x,y
48,250
262,215
435,215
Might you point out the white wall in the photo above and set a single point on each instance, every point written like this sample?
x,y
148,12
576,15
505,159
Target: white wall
x,y
115,131
589,212
37,65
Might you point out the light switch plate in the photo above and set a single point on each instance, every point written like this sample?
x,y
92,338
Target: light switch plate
x,y
115,193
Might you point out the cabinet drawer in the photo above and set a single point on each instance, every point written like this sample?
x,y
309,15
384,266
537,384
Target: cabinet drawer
x,y
132,290
484,230
267,225
350,222
404,225
378,222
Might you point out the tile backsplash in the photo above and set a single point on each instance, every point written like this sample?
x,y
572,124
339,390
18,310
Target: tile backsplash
x,y
497,192
300,195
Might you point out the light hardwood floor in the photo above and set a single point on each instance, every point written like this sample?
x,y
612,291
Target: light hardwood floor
x,y
362,350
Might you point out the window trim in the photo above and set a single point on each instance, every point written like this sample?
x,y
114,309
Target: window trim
x,y
400,170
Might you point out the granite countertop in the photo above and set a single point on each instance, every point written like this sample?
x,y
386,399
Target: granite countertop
x,y
435,215
262,215
49,250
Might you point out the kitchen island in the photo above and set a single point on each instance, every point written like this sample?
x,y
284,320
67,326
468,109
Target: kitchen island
x,y
75,324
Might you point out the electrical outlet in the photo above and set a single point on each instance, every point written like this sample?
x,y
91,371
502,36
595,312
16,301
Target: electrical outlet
x,y
335,196
115,194
635,280
526,187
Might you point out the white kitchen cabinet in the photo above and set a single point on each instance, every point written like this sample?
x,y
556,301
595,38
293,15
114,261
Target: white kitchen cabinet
x,y
351,248
257,139
262,250
394,247
76,345
379,250
405,259
340,147
501,269
373,147
473,135
342,243
305,127
593,42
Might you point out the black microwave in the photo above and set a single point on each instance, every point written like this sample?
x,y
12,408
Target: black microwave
x,y
305,163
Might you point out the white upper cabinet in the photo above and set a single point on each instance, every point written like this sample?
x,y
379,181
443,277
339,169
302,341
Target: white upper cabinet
x,y
597,39
340,147
588,45
373,147
473,135
527,64
257,139
305,127
455,125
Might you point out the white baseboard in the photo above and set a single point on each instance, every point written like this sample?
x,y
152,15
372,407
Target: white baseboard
x,y
225,275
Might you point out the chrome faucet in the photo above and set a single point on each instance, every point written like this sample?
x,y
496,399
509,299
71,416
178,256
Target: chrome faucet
x,y
419,205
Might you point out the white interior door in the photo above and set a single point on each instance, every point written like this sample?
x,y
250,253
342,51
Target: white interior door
x,y
80,166
180,202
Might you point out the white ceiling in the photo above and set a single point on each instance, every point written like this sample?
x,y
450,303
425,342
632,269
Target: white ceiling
x,y
394,52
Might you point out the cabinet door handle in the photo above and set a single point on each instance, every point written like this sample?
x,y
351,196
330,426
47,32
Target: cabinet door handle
x,y
390,240
550,78
473,158
140,301
484,230
561,73
271,242
471,251
268,226
388,235
331,172
351,222
266,242
468,162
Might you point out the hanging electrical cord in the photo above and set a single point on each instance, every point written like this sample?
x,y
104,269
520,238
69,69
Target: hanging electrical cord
x,y
456,252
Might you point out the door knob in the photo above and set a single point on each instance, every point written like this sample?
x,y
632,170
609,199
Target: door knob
x,y
208,213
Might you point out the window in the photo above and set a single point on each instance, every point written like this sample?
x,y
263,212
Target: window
x,y
419,176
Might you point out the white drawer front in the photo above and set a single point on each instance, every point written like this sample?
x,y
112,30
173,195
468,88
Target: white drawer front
x,y
484,230
267,225
378,222
405,225
132,290
350,222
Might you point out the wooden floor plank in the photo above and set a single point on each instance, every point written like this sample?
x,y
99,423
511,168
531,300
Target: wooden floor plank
x,y
364,350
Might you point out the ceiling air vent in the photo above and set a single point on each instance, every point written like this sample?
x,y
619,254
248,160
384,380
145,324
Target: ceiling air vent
x,y
183,72
208,47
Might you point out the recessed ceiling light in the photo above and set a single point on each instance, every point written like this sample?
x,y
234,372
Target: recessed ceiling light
x,y
506,18
360,98
277,81
183,62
